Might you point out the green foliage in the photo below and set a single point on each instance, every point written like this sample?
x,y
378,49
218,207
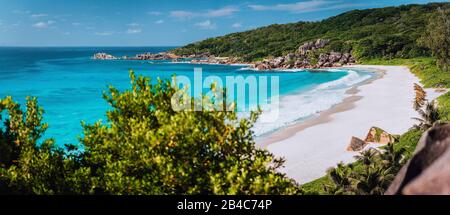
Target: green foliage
x,y
408,142
428,116
437,37
25,167
144,148
316,187
390,32
371,170
444,106
425,68
370,175
404,146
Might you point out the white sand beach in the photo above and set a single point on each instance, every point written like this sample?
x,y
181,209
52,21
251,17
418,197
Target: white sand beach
x,y
311,147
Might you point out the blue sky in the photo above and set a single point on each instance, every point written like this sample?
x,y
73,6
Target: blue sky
x,y
154,23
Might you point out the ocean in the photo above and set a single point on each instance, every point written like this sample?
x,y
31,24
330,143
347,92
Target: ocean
x,y
69,84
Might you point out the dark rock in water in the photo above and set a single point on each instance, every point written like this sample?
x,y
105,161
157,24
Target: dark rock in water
x,y
144,56
428,171
356,144
103,56
262,66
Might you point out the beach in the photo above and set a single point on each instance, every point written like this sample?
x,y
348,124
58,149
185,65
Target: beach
x,y
313,146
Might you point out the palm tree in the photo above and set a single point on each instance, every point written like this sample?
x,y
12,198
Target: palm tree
x,y
340,178
420,97
428,116
373,180
368,157
377,170
392,157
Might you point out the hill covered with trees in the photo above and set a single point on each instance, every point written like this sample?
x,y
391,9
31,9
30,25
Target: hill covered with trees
x,y
391,32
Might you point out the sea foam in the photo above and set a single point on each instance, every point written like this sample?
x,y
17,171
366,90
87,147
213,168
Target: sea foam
x,y
297,107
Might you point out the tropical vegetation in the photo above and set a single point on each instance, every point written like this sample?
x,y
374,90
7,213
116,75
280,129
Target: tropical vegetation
x,y
374,169
145,147
391,32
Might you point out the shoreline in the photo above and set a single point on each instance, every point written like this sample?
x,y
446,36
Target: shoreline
x,y
312,146
325,116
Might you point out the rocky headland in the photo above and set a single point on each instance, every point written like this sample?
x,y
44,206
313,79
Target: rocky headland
x,y
304,58
144,56
309,55
103,56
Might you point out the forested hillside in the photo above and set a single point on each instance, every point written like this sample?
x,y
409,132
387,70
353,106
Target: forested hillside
x,y
384,32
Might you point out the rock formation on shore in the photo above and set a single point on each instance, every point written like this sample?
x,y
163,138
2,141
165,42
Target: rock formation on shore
x,y
375,135
378,135
144,56
103,56
428,172
302,58
356,144
215,60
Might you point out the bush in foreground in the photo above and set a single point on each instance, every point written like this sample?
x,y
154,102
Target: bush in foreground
x,y
144,148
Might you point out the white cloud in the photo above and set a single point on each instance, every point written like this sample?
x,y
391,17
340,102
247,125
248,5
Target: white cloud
x,y
236,25
66,33
76,23
305,6
158,22
206,25
182,14
154,13
134,31
42,25
225,11
134,28
104,33
38,15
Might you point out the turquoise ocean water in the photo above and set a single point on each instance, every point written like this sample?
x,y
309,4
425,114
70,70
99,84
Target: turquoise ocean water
x,y
69,84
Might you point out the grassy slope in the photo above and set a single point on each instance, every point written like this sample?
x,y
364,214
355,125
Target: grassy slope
x,y
431,76
389,32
